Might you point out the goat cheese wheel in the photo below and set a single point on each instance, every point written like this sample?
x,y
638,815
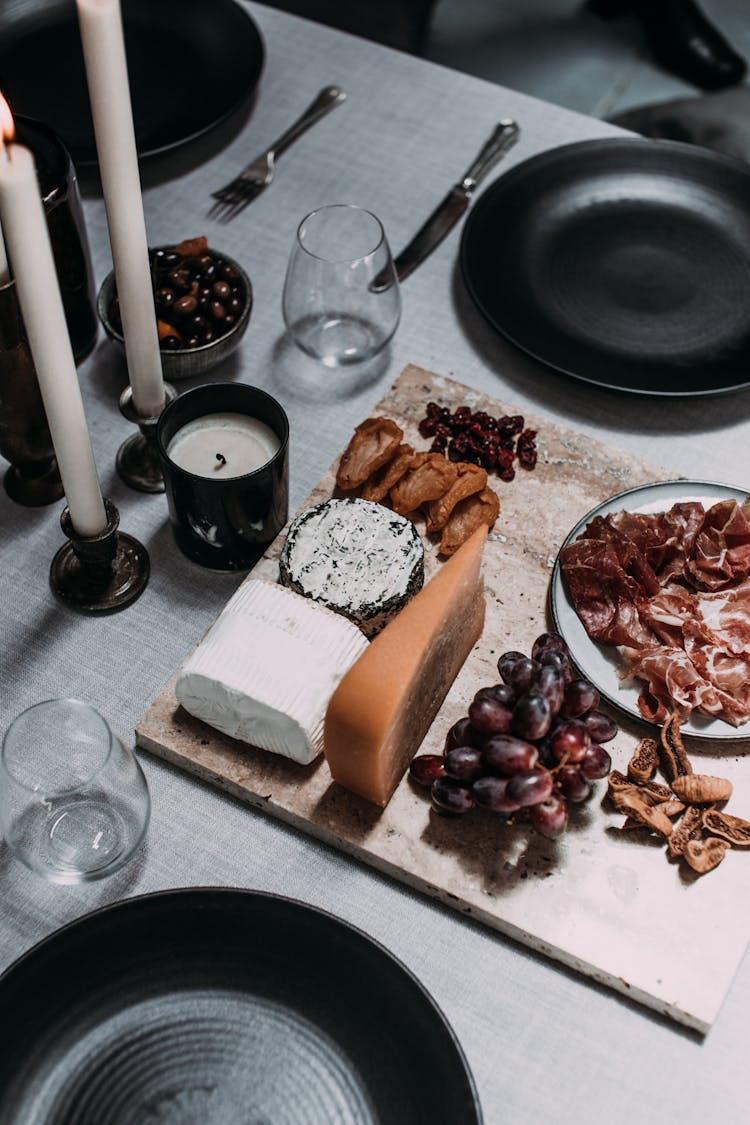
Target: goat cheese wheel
x,y
358,558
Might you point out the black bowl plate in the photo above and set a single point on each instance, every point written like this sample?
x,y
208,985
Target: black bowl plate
x,y
216,1006
622,262
191,64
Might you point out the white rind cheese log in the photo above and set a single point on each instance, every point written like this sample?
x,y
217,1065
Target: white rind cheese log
x,y
267,667
385,704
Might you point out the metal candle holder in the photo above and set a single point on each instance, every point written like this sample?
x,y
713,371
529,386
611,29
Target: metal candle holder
x,y
99,573
138,463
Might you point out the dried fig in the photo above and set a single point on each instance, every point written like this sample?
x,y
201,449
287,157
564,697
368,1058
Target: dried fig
x,y
481,508
429,476
372,445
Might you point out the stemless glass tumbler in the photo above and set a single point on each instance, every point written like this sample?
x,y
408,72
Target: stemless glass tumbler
x,y
341,300
74,805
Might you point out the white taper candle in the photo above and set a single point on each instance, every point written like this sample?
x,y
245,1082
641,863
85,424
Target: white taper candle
x,y
100,23
7,128
23,220
4,272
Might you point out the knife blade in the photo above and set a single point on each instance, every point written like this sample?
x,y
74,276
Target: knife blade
x,y
451,208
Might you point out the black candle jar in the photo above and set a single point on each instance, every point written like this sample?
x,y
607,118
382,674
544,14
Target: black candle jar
x,y
227,523
62,207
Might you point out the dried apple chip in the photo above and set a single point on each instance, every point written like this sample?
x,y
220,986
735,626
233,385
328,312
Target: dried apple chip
x,y
481,508
471,478
429,476
377,486
373,444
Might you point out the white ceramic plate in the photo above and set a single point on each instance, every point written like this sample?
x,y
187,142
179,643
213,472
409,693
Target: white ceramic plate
x,y
600,663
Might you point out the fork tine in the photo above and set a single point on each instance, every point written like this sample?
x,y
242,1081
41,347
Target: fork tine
x,y
232,199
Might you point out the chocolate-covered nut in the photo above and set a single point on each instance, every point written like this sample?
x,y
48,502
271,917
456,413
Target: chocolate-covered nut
x,y
164,297
228,272
185,306
234,304
179,279
221,290
217,310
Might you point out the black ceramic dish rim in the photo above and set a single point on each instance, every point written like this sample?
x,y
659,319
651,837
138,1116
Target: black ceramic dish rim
x,y
525,167
175,894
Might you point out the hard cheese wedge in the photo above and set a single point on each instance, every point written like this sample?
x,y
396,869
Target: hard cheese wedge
x,y
384,705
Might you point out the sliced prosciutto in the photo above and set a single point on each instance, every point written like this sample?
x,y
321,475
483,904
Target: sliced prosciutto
x,y
722,549
672,590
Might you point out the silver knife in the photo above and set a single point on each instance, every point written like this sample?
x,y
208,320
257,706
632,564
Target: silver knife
x,y
449,211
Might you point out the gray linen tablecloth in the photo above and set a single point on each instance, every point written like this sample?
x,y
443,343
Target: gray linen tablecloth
x,y
543,1043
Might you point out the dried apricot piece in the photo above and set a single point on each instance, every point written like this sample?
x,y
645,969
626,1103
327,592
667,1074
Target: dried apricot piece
x,y
471,478
377,486
192,247
481,508
429,476
372,445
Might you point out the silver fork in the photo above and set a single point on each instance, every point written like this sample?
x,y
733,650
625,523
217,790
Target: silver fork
x,y
251,181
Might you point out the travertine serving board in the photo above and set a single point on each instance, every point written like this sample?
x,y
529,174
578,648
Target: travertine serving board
x,y
605,902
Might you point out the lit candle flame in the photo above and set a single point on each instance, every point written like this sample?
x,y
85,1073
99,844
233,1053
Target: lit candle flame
x,y
7,124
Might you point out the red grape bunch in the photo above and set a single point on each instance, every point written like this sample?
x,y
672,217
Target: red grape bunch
x,y
531,745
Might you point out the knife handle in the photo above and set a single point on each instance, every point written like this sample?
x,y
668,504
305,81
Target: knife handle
x,y
503,138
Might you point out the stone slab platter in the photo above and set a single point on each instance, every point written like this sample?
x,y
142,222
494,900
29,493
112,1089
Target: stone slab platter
x,y
604,902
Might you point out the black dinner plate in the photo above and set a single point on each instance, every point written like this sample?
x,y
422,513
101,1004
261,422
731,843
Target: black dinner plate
x,y
622,262
219,1006
191,64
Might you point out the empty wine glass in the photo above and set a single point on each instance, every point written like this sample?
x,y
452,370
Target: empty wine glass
x,y
74,804
341,300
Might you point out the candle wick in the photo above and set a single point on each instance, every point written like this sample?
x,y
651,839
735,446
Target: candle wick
x,y
222,461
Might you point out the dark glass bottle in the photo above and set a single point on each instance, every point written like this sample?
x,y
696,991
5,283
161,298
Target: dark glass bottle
x,y
62,206
32,478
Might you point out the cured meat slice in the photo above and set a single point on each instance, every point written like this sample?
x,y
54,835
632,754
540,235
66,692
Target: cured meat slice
x,y
605,595
673,683
727,614
673,589
722,549
665,538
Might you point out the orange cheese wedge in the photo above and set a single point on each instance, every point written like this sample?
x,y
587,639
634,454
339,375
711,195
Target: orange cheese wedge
x,y
384,705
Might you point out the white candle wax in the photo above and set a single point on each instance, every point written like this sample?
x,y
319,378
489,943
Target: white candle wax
x,y
100,23
4,272
7,128
23,220
220,446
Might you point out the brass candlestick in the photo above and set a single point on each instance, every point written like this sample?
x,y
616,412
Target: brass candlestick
x,y
138,463
99,573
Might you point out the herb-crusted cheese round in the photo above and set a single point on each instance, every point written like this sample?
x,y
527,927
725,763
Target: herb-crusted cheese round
x,y
358,558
